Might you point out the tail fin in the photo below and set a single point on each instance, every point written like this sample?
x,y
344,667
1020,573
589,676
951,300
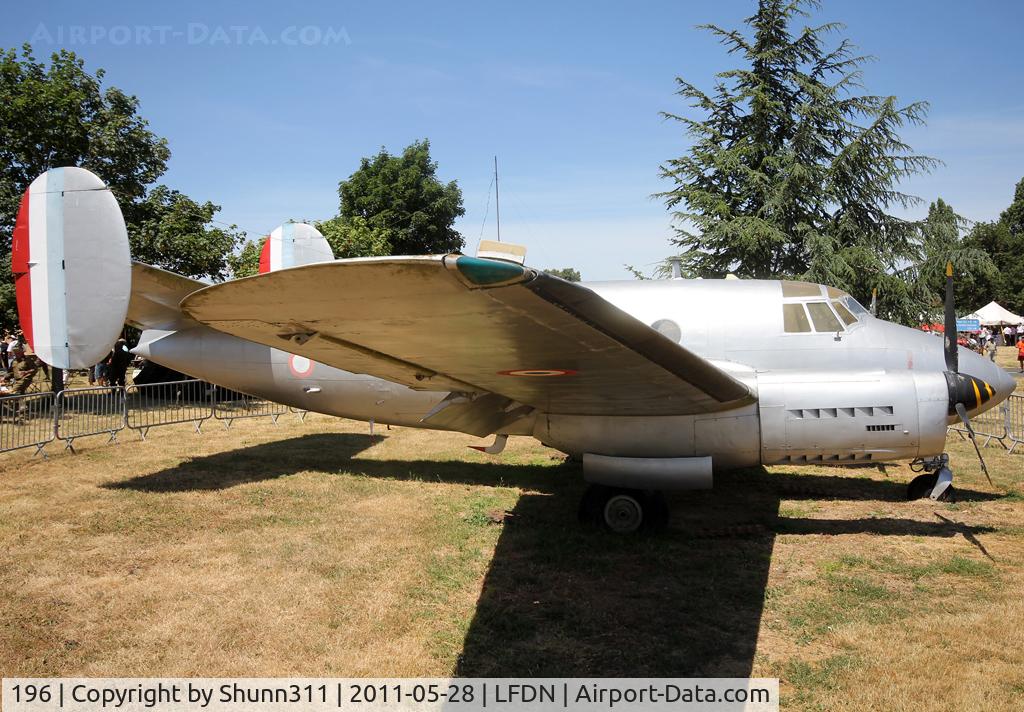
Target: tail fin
x,y
72,267
294,244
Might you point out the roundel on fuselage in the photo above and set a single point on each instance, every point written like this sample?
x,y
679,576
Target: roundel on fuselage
x,y
294,244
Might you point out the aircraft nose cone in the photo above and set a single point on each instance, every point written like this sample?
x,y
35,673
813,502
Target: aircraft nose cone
x,y
1004,384
986,375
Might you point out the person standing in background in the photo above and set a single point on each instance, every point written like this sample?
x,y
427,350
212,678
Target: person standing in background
x,y
117,363
25,366
11,341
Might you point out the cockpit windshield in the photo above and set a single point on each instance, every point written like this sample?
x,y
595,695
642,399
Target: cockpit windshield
x,y
855,306
810,307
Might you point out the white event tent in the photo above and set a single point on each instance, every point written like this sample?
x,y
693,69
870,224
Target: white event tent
x,y
993,314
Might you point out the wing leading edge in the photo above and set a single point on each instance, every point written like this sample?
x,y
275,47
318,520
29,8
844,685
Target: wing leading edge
x,y
473,326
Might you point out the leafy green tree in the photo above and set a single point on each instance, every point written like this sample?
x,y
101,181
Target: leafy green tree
x,y
569,274
175,232
355,237
58,114
246,262
791,172
1003,241
401,197
943,242
1013,216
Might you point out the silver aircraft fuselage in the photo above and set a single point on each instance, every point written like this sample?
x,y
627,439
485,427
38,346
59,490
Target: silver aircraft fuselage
x,y
868,390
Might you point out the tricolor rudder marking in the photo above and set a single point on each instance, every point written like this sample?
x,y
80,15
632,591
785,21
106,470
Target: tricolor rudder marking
x,y
291,245
72,268
265,256
19,266
37,259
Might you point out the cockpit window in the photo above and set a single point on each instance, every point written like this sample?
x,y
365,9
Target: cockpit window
x,y
844,314
855,306
794,318
823,318
806,308
800,289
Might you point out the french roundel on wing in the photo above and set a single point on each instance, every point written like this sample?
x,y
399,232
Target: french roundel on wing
x,y
72,268
293,244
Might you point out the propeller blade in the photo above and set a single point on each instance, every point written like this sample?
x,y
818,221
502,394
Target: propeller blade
x,y
962,412
952,357
874,301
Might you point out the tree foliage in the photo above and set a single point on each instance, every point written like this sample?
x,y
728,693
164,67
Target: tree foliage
x,y
402,199
355,237
569,274
792,172
1003,241
943,242
175,232
58,114
246,261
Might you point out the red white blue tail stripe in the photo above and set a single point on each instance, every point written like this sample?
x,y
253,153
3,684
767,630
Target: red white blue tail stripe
x,y
293,244
72,267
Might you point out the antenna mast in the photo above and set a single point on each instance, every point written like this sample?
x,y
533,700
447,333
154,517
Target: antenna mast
x,y
497,203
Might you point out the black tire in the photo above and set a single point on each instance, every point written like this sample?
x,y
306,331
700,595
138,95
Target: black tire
x,y
623,511
921,486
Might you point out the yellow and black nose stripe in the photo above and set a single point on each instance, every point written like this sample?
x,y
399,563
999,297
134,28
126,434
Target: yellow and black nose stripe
x,y
972,392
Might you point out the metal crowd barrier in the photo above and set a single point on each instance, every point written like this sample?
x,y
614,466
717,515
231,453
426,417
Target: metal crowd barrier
x,y
36,419
1004,424
81,412
990,425
26,421
167,403
1015,421
245,406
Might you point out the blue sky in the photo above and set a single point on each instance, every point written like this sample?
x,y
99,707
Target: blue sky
x,y
267,106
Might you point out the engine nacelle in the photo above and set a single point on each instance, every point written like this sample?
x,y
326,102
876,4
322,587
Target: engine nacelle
x,y
843,418
651,473
933,409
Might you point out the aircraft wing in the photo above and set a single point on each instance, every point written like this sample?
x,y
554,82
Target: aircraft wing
x,y
474,326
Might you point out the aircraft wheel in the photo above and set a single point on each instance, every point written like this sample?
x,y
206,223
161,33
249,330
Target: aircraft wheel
x,y
624,511
921,486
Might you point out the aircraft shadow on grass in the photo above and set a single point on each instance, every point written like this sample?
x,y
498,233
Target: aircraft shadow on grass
x,y
560,599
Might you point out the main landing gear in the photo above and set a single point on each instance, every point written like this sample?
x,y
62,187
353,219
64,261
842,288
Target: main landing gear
x,y
624,511
936,482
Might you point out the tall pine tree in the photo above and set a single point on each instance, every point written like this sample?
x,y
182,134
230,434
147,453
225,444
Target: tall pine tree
x,y
792,172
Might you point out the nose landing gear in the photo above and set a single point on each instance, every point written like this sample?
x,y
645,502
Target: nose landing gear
x,y
936,482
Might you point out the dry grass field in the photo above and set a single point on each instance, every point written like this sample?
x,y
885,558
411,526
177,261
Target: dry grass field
x,y
315,548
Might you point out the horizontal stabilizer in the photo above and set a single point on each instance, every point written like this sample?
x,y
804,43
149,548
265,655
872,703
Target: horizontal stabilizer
x,y
156,295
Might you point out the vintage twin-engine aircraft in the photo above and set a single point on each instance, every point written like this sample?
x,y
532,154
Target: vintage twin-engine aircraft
x,y
653,384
